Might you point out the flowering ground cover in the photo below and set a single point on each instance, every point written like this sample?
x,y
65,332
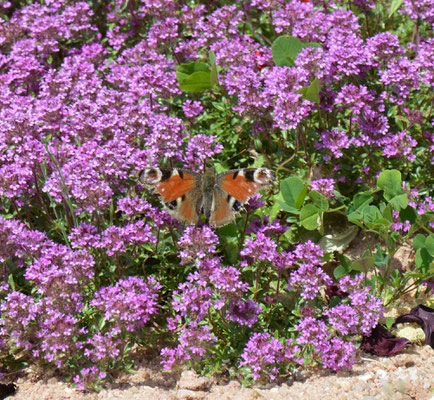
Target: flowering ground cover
x,y
335,97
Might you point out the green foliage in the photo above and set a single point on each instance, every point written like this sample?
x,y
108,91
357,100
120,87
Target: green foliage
x,y
285,50
334,223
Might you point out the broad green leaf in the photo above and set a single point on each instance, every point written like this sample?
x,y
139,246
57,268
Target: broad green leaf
x,y
339,272
429,244
319,200
408,213
394,6
285,50
419,241
344,260
287,208
293,191
389,322
334,301
275,208
214,73
338,241
311,92
196,82
231,251
371,214
391,183
11,281
309,216
361,200
422,260
364,264
387,213
211,57
399,202
183,71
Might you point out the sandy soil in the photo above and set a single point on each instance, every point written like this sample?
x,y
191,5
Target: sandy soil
x,y
409,375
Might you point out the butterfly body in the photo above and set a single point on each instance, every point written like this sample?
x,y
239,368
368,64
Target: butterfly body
x,y
188,194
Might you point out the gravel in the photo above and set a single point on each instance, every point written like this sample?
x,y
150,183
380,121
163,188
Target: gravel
x,y
408,375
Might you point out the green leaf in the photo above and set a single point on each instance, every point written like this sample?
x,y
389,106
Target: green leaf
x,y
419,241
185,70
391,183
408,214
389,322
311,92
211,57
361,200
214,74
371,214
309,216
399,202
293,191
285,49
11,281
422,260
287,208
394,6
363,264
196,82
429,242
334,301
338,241
319,200
339,272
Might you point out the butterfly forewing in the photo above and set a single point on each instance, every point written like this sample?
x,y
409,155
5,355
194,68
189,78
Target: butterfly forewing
x,y
169,183
244,183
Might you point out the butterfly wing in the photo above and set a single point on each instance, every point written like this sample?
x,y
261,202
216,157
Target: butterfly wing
x,y
233,188
179,190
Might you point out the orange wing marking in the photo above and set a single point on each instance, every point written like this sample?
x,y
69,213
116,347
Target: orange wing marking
x,y
175,187
240,187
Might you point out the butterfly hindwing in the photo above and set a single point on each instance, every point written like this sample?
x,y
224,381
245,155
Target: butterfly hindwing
x,y
222,211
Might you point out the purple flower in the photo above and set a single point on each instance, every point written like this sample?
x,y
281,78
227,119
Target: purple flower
x,y
261,248
192,108
338,354
129,304
325,186
103,346
228,280
89,377
198,242
85,236
195,340
116,239
199,149
382,48
334,141
263,355
399,145
309,252
309,280
62,273
416,9
401,76
425,62
244,312
343,318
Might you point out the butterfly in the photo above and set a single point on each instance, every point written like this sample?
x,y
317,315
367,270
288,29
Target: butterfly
x,y
187,194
